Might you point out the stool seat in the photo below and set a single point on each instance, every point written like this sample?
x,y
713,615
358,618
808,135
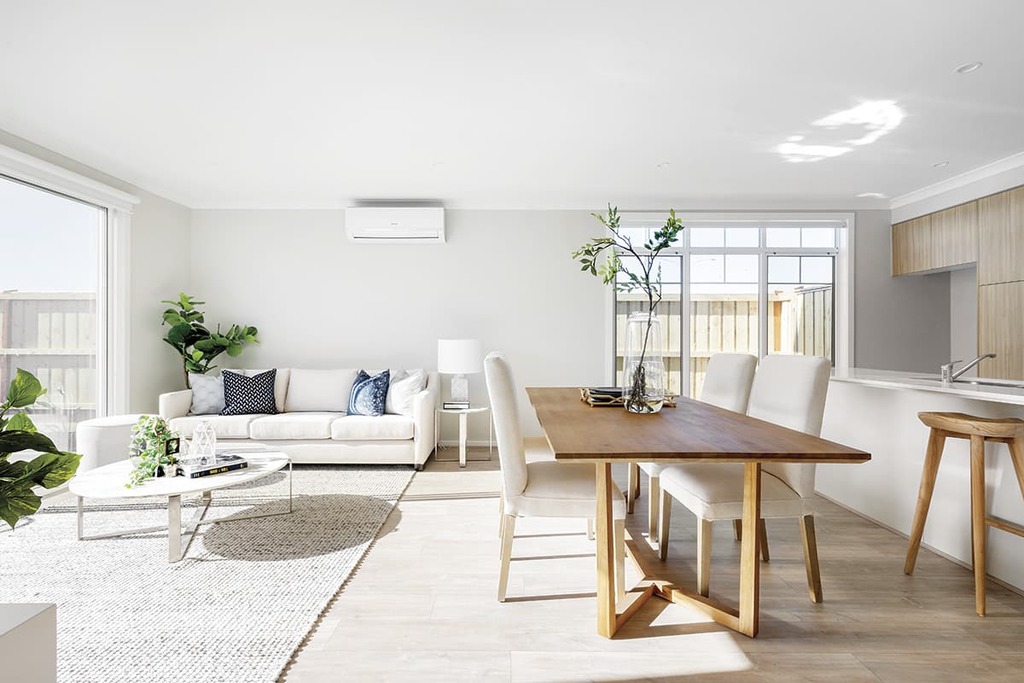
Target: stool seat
x,y
962,424
1007,430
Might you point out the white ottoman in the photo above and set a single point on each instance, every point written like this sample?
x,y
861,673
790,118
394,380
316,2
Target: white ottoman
x,y
104,440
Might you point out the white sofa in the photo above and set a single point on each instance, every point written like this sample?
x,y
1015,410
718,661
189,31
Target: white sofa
x,y
311,424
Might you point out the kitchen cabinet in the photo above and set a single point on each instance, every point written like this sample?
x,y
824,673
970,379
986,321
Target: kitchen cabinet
x,y
1001,329
1001,237
944,239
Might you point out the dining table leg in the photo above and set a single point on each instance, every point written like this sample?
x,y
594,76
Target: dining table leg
x,y
606,596
750,565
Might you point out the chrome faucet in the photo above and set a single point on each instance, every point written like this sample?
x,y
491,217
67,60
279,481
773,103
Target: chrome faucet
x,y
947,370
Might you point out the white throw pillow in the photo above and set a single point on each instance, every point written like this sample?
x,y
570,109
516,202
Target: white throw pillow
x,y
207,393
405,384
319,390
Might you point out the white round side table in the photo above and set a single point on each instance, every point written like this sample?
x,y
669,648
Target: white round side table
x,y
463,414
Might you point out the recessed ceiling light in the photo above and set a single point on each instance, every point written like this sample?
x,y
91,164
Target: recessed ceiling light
x,y
872,195
664,164
967,68
940,164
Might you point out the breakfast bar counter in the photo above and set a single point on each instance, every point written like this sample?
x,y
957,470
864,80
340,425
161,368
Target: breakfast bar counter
x,y
876,411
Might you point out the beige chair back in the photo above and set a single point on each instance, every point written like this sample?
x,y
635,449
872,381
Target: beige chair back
x,y
501,389
727,381
790,391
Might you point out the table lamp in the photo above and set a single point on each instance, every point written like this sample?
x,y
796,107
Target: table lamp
x,y
459,357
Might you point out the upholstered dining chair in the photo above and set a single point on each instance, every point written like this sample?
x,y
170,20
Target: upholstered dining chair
x,y
788,391
727,383
542,488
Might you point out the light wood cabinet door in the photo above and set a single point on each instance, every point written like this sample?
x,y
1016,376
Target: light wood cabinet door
x,y
1001,237
943,239
911,245
954,236
1001,329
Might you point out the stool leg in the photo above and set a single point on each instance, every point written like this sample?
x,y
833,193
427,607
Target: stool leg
x,y
978,520
632,485
936,442
1017,456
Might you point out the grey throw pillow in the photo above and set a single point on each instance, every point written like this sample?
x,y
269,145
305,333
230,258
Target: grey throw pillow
x,y
207,394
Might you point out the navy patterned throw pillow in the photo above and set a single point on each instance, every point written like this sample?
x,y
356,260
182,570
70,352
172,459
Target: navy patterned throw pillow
x,y
369,394
249,395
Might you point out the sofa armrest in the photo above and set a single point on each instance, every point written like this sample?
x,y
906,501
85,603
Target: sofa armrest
x,y
175,404
424,411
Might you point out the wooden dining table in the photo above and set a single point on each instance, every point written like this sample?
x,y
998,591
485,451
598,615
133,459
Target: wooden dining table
x,y
690,431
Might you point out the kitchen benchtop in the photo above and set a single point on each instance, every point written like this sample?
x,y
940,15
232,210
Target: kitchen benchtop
x,y
999,391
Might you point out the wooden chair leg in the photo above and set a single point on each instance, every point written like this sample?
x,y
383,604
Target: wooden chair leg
x,y
811,557
936,442
666,517
653,510
590,530
507,532
501,514
632,486
703,556
737,529
978,520
763,530
619,529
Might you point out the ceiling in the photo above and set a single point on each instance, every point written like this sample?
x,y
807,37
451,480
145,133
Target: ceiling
x,y
526,104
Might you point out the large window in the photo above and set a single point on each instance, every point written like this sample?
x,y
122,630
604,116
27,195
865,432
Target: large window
x,y
751,286
48,292
64,290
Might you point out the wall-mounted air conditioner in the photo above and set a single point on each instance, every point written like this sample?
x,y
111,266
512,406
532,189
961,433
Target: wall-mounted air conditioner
x,y
388,224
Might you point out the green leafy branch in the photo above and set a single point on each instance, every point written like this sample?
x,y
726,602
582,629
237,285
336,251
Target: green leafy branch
x,y
648,278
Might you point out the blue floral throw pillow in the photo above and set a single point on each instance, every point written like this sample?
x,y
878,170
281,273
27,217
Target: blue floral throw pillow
x,y
249,395
369,394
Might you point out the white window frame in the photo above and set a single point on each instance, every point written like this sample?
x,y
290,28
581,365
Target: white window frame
x,y
113,298
843,335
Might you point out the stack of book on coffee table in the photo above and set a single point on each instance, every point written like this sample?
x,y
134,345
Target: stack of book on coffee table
x,y
204,467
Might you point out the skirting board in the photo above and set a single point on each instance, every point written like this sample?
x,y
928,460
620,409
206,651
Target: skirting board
x,y
941,554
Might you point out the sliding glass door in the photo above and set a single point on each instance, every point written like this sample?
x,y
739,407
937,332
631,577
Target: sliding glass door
x,y
49,284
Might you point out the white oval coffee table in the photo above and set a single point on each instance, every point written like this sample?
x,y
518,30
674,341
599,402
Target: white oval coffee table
x,y
109,482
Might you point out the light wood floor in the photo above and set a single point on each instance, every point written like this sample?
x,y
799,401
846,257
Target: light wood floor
x,y
422,605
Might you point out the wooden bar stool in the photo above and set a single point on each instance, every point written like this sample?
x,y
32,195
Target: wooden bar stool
x,y
979,430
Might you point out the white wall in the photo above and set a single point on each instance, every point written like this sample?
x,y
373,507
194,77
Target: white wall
x,y
160,248
900,323
963,317
321,301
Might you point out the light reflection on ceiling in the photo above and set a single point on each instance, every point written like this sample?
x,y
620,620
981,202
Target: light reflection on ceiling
x,y
874,119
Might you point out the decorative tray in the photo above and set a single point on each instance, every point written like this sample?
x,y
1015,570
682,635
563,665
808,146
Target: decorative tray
x,y
611,396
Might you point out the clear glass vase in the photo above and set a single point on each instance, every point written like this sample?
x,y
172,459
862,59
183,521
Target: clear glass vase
x,y
643,369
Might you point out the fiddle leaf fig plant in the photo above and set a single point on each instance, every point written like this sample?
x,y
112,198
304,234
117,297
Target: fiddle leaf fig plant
x,y
18,479
196,344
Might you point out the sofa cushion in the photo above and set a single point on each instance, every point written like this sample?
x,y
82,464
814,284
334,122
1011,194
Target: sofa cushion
x,y
207,393
365,427
293,426
248,395
319,390
280,383
405,384
369,394
224,426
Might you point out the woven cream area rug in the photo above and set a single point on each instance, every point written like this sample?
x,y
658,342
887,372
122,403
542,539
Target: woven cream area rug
x,y
234,610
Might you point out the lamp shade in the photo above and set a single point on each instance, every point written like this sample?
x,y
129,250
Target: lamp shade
x,y
459,356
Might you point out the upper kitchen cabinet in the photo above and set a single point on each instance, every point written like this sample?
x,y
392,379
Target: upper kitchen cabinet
x,y
1001,237
940,240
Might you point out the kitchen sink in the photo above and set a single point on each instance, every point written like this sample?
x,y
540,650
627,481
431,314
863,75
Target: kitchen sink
x,y
976,382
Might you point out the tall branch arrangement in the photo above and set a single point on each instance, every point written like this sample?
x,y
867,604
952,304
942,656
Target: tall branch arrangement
x,y
646,278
